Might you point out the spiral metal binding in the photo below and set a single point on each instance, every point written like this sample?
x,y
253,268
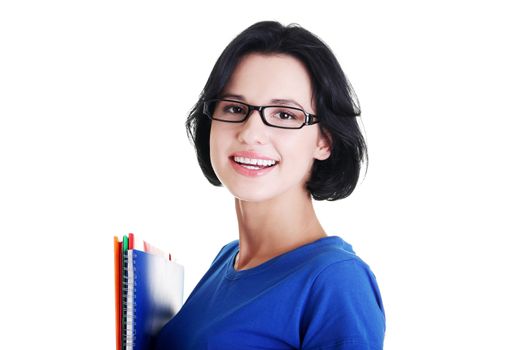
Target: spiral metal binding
x,y
129,309
124,300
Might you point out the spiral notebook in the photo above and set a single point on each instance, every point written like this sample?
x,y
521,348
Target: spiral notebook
x,y
148,292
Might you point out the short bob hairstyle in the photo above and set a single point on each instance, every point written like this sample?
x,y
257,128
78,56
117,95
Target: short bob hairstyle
x,y
336,105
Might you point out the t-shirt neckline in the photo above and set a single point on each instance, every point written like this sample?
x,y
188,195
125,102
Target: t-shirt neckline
x,y
234,274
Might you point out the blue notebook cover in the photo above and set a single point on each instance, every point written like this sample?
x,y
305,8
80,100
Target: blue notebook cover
x,y
155,291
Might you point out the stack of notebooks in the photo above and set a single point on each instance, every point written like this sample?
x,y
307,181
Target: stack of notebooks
x,y
148,291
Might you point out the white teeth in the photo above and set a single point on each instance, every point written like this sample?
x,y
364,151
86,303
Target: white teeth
x,y
260,162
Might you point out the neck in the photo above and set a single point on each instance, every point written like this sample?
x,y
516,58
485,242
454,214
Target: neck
x,y
273,227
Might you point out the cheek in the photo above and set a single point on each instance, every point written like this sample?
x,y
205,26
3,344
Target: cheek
x,y
220,139
297,154
299,165
214,145
295,158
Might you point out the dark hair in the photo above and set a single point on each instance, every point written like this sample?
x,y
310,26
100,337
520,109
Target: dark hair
x,y
336,105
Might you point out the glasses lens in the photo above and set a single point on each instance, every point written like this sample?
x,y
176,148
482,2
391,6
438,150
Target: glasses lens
x,y
229,111
284,117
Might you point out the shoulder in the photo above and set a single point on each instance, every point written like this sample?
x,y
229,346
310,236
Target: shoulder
x,y
340,273
347,278
226,251
335,253
344,306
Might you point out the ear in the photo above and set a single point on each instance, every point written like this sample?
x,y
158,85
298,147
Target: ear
x,y
324,146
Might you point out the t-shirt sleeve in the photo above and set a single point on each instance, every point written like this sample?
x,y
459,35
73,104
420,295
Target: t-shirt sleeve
x,y
344,309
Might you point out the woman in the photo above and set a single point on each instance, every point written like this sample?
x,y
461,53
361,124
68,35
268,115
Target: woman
x,y
276,124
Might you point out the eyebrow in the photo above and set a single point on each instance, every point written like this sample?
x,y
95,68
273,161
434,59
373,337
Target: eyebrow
x,y
275,100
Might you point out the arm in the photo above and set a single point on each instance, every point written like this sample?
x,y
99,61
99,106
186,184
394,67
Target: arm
x,y
344,310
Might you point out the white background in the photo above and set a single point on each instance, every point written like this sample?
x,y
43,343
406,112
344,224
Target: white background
x,y
93,99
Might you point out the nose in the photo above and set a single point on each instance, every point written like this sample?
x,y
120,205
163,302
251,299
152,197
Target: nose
x,y
253,130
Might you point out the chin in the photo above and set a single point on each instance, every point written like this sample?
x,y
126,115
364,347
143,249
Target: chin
x,y
252,195
263,193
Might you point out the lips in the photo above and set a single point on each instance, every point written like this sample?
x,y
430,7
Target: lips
x,y
251,170
252,155
258,163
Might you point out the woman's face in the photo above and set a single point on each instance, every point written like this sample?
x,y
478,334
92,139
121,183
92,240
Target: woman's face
x,y
258,79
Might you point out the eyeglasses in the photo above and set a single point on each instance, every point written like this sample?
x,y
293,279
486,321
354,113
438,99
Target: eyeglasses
x,y
283,117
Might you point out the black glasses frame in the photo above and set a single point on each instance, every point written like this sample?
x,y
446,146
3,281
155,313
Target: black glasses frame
x,y
310,119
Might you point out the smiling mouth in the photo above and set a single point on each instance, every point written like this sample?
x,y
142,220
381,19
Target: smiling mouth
x,y
254,164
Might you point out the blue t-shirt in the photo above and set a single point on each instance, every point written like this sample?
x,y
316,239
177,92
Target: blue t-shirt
x,y
318,296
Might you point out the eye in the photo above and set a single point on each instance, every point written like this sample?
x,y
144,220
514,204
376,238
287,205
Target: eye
x,y
285,115
234,109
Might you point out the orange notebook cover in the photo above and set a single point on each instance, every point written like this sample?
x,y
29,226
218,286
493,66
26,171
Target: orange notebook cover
x,y
117,247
